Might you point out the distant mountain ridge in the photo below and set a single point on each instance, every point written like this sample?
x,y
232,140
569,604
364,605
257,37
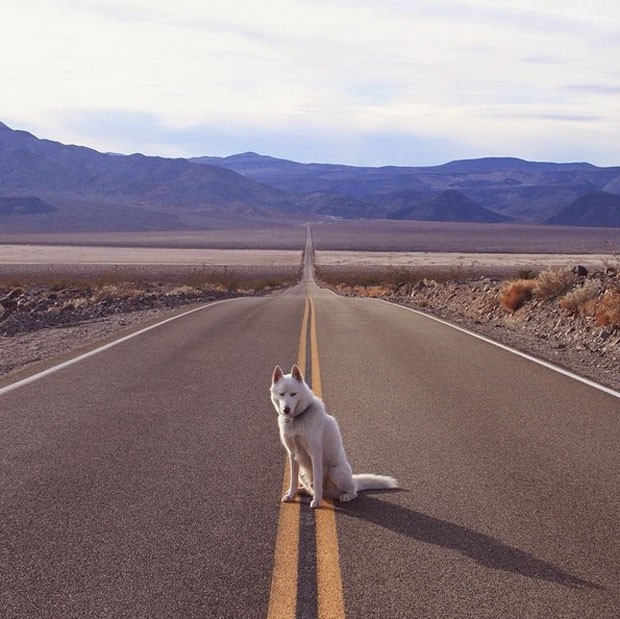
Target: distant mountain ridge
x,y
88,190
506,188
590,210
49,186
28,205
449,205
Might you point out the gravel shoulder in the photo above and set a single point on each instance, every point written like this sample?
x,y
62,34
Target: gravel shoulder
x,y
24,351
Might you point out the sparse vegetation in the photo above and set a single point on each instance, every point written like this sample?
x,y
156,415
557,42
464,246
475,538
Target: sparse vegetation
x,y
598,298
516,293
582,300
547,286
553,283
381,278
608,309
129,280
35,302
527,274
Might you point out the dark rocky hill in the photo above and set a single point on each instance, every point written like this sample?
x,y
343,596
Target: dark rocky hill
x,y
449,205
598,208
28,205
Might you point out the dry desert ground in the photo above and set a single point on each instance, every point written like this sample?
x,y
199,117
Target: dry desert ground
x,y
352,244
17,258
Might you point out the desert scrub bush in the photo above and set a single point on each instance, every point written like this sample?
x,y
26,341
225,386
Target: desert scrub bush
x,y
527,274
120,290
582,300
608,309
342,276
372,276
516,293
554,283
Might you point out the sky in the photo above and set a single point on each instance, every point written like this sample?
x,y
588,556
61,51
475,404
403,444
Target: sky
x,y
361,82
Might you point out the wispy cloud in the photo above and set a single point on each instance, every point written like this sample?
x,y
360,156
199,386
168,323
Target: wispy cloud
x,y
550,115
597,89
316,79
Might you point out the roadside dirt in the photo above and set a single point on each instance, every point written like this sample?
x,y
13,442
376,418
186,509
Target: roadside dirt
x,y
39,323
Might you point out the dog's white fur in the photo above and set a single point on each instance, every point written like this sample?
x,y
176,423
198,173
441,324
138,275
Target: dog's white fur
x,y
314,444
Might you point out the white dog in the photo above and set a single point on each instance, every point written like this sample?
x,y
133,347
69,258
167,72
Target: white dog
x,y
314,444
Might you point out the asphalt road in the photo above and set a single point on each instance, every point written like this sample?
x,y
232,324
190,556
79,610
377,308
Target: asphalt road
x,y
144,481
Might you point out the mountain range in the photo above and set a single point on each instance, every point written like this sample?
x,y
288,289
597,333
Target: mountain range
x,y
49,186
486,190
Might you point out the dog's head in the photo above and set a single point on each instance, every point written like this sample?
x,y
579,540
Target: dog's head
x,y
289,393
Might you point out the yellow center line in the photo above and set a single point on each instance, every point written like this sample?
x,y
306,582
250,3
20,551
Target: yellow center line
x,y
328,577
283,596
301,355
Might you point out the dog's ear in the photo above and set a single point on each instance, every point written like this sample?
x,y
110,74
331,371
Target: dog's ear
x,y
277,374
296,372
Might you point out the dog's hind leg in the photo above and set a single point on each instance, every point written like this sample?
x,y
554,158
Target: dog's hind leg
x,y
342,477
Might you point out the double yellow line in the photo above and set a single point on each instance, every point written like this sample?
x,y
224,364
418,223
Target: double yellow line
x,y
283,597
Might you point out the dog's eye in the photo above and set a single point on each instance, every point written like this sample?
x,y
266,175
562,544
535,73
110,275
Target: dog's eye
x,y
283,394
293,395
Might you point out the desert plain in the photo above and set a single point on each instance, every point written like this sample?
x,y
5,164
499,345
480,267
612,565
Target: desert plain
x,y
354,243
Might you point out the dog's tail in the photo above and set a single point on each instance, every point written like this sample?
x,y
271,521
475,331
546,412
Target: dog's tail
x,y
368,481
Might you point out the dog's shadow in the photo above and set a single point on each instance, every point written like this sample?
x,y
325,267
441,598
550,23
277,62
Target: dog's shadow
x,y
483,549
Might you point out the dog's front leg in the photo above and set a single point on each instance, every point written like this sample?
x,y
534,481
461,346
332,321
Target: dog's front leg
x,y
317,474
294,469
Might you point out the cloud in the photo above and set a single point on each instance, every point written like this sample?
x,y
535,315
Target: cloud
x,y
312,80
597,89
542,115
119,130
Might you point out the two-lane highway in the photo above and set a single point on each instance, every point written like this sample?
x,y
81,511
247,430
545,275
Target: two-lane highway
x,y
144,481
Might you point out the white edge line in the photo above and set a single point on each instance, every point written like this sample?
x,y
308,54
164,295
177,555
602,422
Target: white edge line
x,y
514,351
90,353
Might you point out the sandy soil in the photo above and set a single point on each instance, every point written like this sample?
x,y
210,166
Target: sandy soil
x,y
66,254
85,255
391,235
459,259
263,235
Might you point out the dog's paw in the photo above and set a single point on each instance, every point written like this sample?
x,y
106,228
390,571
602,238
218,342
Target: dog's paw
x,y
314,504
347,496
288,497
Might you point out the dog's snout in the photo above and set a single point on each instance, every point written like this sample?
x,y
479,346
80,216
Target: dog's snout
x,y
287,410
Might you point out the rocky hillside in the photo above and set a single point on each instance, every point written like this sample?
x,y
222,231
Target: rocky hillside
x,y
48,186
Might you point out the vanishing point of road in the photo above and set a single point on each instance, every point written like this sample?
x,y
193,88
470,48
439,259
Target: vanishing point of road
x,y
143,480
